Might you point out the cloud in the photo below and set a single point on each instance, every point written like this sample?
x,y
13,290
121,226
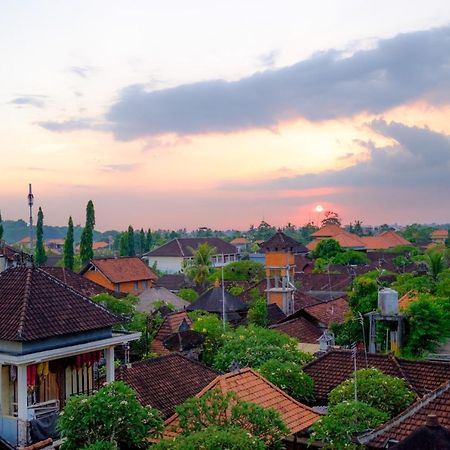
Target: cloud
x,y
268,60
29,100
325,86
82,71
418,158
119,167
70,125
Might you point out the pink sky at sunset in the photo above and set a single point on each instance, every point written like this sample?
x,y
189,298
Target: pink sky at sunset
x,y
211,114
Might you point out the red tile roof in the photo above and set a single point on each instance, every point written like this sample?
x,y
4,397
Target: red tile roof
x,y
182,247
240,241
385,240
415,416
439,234
336,366
281,241
300,328
333,311
250,386
328,231
121,270
35,305
166,382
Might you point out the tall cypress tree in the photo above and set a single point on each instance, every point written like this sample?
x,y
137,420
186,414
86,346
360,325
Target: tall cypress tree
x,y
148,240
131,248
123,244
39,254
86,252
68,247
1,226
141,242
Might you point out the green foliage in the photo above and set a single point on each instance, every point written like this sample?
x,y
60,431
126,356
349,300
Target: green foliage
x,y
160,303
406,250
39,253
131,248
200,267
235,290
113,414
363,297
252,346
244,270
428,320
435,262
213,329
331,218
223,410
406,282
416,233
188,294
351,257
327,248
400,261
68,258
289,377
101,445
86,252
257,313
213,438
383,392
141,242
336,429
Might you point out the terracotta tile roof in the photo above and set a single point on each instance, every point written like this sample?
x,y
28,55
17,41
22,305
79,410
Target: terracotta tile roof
x,y
300,328
336,366
98,245
240,241
345,239
415,416
121,270
324,281
385,240
54,241
81,284
328,231
407,299
11,253
439,234
281,241
170,325
333,311
167,381
182,247
252,387
36,305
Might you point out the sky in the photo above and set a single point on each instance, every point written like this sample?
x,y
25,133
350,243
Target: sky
x,y
205,113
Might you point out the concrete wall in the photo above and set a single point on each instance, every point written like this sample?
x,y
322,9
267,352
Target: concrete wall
x,y
169,264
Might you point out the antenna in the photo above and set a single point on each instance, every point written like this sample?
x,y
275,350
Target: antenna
x,y
30,204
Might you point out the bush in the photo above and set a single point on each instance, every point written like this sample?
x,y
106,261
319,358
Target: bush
x,y
383,392
351,257
188,294
289,377
327,248
113,414
213,438
101,445
252,346
336,429
257,313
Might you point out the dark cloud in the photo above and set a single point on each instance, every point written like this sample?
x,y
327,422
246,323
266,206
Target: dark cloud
x,y
29,100
417,158
325,86
70,125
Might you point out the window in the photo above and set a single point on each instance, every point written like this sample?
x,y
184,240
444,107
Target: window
x,y
145,284
136,285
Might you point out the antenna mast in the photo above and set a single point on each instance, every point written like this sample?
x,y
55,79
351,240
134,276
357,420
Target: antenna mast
x,y
30,204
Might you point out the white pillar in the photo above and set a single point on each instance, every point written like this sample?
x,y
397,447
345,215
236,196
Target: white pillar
x,y
110,364
22,404
1,390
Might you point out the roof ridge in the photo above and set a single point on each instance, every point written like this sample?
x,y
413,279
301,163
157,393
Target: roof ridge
x,y
180,247
416,406
402,372
25,302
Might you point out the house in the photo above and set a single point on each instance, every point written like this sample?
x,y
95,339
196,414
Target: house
x,y
423,425
241,243
336,366
10,257
55,245
218,301
383,241
51,341
171,256
250,386
155,295
167,381
438,237
126,274
174,282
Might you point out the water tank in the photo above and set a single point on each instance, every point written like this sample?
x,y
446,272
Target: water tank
x,y
388,301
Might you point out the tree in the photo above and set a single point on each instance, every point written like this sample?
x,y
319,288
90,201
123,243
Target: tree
x,y
212,438
68,247
435,262
113,415
289,377
131,248
383,392
252,346
148,240
327,248
141,242
39,254
187,294
447,241
336,429
244,270
86,242
1,226
200,267
257,313
331,218
224,410
123,244
351,257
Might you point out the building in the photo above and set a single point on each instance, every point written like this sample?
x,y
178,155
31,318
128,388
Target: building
x,y
126,274
241,243
55,245
10,257
171,256
156,295
51,340
438,237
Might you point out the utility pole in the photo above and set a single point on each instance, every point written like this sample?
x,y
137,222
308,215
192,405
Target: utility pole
x,y
30,204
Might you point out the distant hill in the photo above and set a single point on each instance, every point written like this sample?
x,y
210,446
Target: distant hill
x,y
15,230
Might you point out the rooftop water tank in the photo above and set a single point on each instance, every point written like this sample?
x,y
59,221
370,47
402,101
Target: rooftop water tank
x,y
388,301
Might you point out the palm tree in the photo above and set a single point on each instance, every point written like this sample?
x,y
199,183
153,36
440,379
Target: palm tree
x,y
200,267
436,263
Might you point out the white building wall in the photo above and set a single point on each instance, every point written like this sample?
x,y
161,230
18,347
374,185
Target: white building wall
x,y
169,264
